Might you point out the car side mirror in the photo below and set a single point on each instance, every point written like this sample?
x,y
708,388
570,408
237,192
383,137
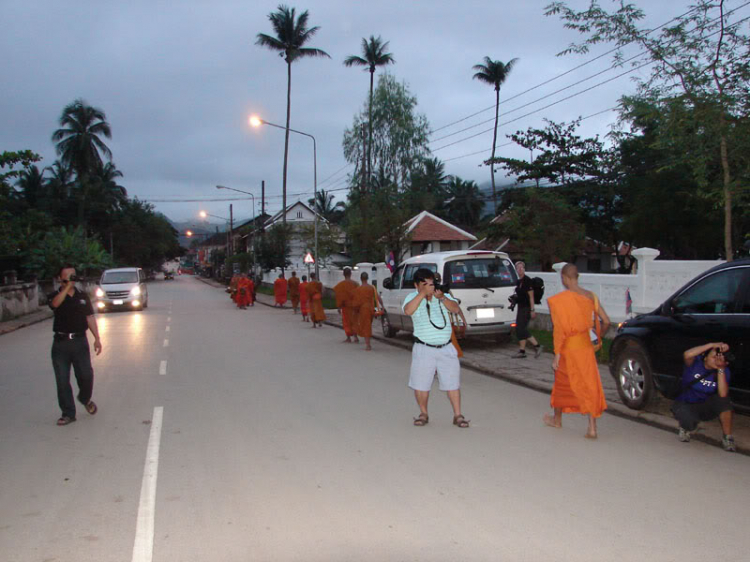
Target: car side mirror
x,y
387,283
667,309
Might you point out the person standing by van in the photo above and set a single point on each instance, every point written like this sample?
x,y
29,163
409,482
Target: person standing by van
x,y
433,350
73,316
524,313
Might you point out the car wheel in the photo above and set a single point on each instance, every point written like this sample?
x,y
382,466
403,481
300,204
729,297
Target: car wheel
x,y
634,377
145,304
388,330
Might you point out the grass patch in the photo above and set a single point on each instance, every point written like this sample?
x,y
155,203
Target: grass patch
x,y
545,338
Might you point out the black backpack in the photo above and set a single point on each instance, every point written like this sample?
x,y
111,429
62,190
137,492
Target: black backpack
x,y
537,283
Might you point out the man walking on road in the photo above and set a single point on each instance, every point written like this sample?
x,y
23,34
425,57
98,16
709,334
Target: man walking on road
x,y
279,290
344,291
433,350
366,301
524,313
294,291
578,386
73,316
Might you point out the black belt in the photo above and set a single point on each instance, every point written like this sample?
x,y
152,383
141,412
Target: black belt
x,y
69,335
417,340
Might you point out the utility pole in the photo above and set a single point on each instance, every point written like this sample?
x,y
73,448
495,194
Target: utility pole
x,y
263,197
231,230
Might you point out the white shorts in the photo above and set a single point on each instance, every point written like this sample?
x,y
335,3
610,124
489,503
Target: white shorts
x,y
425,360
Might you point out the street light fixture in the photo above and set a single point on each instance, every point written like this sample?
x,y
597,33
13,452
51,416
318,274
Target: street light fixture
x,y
254,217
204,214
256,121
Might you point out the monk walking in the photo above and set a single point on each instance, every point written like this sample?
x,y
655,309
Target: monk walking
x,y
366,300
250,284
578,386
303,299
315,296
345,303
233,288
244,297
279,290
294,291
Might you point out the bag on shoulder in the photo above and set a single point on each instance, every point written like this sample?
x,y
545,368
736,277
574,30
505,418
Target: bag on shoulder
x,y
537,284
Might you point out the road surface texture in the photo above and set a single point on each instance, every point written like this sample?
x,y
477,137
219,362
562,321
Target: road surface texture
x,y
228,435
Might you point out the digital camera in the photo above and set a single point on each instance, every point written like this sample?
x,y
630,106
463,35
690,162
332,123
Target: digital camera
x,y
513,300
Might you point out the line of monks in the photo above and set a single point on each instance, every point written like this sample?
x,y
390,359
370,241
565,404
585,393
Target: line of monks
x,y
242,291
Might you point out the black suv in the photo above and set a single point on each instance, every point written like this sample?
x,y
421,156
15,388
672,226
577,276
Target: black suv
x,y
714,307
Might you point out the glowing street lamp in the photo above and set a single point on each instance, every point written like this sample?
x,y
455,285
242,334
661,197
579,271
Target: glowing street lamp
x,y
256,121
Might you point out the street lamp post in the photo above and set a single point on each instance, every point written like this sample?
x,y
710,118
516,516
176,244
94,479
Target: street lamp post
x,y
255,226
257,122
204,214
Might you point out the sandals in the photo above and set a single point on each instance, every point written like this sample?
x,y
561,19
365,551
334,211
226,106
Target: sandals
x,y
91,407
422,420
65,420
460,421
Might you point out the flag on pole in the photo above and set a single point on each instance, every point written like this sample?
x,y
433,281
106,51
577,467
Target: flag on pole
x,y
628,302
391,262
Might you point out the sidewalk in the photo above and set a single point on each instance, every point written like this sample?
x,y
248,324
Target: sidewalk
x,y
25,320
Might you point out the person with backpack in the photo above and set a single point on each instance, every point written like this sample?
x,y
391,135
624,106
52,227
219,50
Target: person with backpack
x,y
705,392
525,313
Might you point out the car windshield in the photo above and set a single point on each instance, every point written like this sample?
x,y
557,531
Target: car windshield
x,y
113,277
480,272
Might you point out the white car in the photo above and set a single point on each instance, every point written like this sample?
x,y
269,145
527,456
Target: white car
x,y
124,287
481,281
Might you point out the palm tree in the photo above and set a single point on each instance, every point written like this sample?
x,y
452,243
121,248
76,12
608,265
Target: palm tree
x,y
495,73
464,203
324,206
33,187
79,144
374,56
291,35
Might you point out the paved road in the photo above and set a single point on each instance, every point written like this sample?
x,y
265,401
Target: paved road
x,y
267,440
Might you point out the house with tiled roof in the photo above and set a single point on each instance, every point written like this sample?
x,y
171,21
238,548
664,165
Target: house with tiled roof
x,y
428,233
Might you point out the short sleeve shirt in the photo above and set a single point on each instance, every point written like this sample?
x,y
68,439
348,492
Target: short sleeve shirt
x,y
431,320
523,286
699,392
70,316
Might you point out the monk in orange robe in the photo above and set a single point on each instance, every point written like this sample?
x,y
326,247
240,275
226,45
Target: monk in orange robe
x,y
294,290
244,294
303,299
366,299
315,296
233,288
345,303
251,290
578,386
279,290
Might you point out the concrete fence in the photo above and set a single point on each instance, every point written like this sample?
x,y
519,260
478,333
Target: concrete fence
x,y
18,299
652,283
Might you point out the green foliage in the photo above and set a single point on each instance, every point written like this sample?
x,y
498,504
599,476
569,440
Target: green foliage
x,y
329,241
245,261
273,248
323,204
544,225
9,160
61,246
141,237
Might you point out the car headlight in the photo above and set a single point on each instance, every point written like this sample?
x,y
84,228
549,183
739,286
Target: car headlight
x,y
99,292
135,291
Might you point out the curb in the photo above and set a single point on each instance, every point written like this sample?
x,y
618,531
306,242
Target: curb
x,y
18,324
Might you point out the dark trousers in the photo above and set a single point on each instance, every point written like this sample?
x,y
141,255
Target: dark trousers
x,y
523,317
690,414
64,354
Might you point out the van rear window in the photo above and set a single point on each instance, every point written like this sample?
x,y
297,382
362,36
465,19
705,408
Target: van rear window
x,y
478,273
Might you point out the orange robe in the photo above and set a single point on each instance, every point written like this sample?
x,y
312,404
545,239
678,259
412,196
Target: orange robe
x,y
345,301
364,302
279,290
233,288
315,296
294,290
251,290
578,386
303,298
244,292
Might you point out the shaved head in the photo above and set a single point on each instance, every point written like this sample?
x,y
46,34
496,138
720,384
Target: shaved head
x,y
570,271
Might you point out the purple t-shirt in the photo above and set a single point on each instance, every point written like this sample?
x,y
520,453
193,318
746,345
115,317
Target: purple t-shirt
x,y
699,392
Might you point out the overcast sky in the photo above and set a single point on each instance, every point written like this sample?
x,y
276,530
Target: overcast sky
x,y
178,80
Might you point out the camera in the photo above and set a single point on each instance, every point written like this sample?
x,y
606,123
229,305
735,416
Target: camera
x,y
440,286
72,279
513,300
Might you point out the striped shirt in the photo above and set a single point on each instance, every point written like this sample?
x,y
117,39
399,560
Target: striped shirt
x,y
432,326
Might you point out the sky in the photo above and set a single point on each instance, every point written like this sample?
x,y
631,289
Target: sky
x,y
178,81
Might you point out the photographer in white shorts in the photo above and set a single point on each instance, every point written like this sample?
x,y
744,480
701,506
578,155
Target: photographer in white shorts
x,y
433,351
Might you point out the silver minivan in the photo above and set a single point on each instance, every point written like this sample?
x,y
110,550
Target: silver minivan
x,y
480,280
124,287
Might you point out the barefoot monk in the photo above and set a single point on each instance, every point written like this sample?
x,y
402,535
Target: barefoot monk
x,y
345,303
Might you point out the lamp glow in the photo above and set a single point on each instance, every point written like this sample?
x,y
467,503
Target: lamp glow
x,y
255,121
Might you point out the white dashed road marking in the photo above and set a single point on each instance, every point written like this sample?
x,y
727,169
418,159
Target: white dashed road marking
x,y
143,548
167,330
166,343
163,367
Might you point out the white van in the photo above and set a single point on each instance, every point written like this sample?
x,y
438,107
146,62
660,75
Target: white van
x,y
481,281
124,287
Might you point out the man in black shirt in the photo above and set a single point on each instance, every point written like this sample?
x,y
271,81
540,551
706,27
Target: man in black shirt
x,y
524,313
73,316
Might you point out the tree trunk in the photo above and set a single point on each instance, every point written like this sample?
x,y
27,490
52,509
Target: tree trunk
x,y
369,135
492,158
727,196
286,147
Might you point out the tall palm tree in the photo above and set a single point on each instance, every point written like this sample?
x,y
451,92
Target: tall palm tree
x,y
79,143
495,73
292,34
33,186
374,55
323,205
464,203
